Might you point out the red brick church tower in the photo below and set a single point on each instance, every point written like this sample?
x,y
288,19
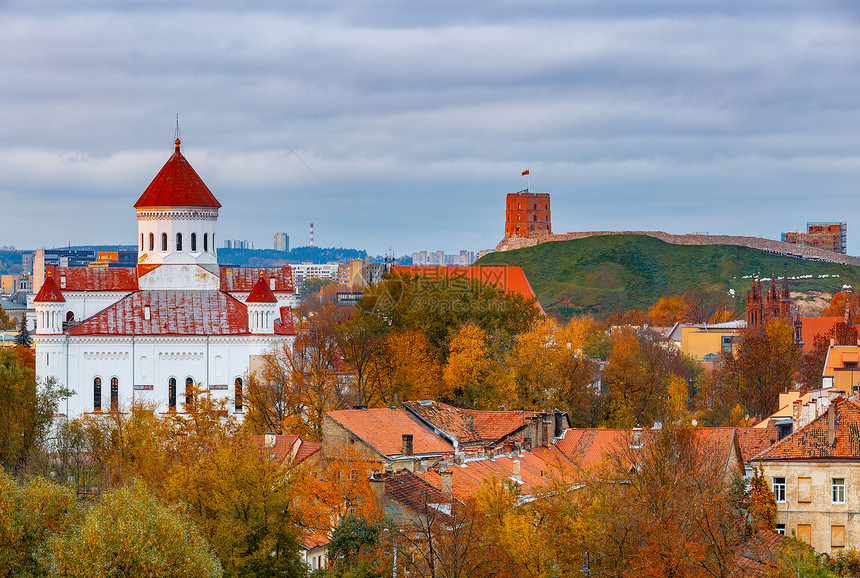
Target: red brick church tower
x,y
527,215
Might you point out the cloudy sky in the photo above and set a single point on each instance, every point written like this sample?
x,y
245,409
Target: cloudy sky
x,y
403,124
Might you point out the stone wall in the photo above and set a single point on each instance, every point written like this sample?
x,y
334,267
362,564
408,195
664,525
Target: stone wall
x,y
776,247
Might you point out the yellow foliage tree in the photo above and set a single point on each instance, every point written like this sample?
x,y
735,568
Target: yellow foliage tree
x,y
405,368
472,377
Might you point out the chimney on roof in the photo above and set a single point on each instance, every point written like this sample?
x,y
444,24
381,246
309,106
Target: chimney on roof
x,y
517,470
447,477
458,458
377,484
469,421
406,448
270,439
527,443
831,425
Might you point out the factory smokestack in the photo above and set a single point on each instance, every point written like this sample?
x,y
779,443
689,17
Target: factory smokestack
x,y
312,235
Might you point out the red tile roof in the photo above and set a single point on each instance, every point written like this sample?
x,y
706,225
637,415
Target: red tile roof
x,y
261,293
177,185
810,441
589,447
812,326
759,556
171,313
285,322
382,428
508,279
487,426
49,293
282,445
311,540
539,469
243,279
94,278
754,440
413,492
306,450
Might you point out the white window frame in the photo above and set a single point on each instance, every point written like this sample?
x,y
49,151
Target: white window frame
x,y
780,529
837,491
778,488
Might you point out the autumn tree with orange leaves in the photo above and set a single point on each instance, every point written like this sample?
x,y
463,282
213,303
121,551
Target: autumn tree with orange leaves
x,y
762,366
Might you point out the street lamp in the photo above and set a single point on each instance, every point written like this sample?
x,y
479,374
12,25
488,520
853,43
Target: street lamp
x,y
586,571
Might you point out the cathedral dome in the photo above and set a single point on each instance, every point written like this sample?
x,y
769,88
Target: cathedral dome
x,y
177,185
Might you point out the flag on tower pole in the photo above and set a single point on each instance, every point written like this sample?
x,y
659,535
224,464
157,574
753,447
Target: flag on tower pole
x,y
526,174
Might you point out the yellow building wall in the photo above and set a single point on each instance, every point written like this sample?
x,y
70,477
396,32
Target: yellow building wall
x,y
808,510
697,342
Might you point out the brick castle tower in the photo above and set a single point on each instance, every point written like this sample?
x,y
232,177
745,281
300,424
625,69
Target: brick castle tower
x,y
527,215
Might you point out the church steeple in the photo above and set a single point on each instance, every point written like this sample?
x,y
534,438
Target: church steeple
x,y
176,215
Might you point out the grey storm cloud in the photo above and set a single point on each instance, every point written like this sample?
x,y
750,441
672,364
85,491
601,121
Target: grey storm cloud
x,y
726,117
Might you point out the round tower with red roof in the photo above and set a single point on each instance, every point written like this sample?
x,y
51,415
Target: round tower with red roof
x,y
262,308
176,216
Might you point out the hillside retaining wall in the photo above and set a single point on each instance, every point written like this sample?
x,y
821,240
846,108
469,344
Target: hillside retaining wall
x,y
776,247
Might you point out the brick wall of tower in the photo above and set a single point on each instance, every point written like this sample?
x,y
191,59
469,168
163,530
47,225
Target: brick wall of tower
x,y
527,215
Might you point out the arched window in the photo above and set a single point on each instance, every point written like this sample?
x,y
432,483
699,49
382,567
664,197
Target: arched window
x,y
189,397
141,241
178,241
151,242
114,394
518,217
193,242
164,242
97,394
238,396
534,217
171,394
205,242
535,206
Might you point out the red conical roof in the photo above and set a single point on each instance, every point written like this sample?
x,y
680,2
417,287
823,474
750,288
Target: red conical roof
x,y
261,292
49,293
177,185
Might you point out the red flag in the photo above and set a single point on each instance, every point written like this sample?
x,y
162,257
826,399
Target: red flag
x,y
525,172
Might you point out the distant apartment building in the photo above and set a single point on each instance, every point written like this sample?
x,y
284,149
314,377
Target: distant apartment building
x,y
439,259
527,214
43,258
282,242
828,236
10,284
359,273
238,244
303,271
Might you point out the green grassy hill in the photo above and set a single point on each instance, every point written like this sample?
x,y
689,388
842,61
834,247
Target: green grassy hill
x,y
601,275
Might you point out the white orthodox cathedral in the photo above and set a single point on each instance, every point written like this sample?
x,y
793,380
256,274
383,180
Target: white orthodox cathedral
x,y
116,335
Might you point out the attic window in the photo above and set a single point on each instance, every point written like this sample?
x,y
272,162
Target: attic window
x,y
146,312
272,283
62,282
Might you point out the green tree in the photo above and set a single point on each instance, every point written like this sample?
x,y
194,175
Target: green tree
x,y
30,513
764,366
439,306
796,558
311,286
6,322
27,411
24,339
130,533
353,547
